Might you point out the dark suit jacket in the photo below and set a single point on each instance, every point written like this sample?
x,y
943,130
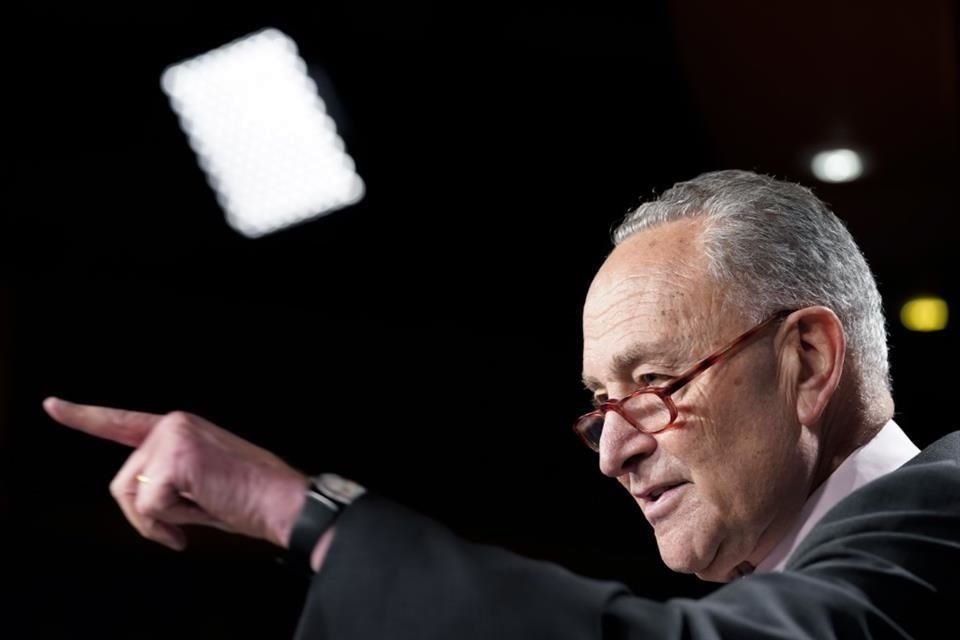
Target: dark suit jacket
x,y
883,563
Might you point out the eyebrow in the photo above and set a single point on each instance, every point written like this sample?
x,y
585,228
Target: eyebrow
x,y
631,357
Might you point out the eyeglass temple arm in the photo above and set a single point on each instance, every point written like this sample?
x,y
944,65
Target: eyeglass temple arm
x,y
709,361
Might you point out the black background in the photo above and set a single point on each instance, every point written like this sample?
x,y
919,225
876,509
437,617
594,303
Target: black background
x,y
426,340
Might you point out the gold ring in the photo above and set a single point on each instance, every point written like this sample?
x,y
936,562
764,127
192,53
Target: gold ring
x,y
142,478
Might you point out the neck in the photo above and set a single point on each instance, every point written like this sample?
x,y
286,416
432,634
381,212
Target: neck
x,y
843,428
847,426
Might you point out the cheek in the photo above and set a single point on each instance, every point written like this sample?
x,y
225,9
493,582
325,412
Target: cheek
x,y
741,467
720,485
739,428
725,459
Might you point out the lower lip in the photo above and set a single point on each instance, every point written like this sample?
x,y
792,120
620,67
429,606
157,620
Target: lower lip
x,y
662,506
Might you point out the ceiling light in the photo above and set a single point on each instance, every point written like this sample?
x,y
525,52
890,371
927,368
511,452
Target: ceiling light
x,y
262,134
925,313
837,165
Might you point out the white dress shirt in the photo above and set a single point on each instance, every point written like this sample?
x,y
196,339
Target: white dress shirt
x,y
885,452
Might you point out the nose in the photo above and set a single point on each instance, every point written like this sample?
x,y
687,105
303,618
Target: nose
x,y
622,446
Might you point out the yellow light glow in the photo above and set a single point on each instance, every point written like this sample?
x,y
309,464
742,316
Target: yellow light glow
x,y
926,313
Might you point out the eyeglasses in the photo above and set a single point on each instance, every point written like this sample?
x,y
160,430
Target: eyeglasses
x,y
651,409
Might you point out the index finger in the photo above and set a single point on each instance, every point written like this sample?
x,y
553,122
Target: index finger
x,y
126,427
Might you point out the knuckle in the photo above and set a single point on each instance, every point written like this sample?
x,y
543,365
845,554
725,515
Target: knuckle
x,y
150,530
179,424
116,487
178,418
148,509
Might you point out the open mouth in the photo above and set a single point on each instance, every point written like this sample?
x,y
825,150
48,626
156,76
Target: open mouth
x,y
654,494
659,502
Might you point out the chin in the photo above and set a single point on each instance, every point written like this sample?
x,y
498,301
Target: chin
x,y
683,552
681,557
717,575
706,569
680,565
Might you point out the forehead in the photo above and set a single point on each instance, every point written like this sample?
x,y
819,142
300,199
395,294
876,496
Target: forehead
x,y
653,296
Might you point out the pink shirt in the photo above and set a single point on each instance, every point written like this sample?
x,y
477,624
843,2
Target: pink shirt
x,y
887,451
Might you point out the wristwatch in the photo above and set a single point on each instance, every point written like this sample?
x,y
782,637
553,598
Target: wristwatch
x,y
327,496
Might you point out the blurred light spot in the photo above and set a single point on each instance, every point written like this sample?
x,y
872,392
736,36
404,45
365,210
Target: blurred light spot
x,y
262,134
837,165
926,313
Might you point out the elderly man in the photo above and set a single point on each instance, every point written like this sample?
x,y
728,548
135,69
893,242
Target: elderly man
x,y
735,348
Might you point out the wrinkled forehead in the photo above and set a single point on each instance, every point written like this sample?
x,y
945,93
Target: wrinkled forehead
x,y
662,269
654,290
652,305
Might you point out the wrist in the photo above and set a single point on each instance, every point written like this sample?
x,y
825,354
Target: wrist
x,y
325,499
285,501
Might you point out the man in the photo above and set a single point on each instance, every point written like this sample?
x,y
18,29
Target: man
x,y
735,347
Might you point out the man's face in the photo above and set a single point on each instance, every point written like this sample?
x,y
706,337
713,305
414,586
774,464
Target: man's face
x,y
734,458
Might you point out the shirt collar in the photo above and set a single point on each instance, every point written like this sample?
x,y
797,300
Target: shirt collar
x,y
888,450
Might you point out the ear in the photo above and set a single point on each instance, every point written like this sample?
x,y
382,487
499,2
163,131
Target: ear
x,y
816,344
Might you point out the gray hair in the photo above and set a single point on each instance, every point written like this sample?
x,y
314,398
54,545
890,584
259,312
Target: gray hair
x,y
778,246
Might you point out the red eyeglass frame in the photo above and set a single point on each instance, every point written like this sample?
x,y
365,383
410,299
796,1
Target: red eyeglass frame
x,y
665,391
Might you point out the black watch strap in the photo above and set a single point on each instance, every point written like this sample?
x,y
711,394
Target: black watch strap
x,y
327,496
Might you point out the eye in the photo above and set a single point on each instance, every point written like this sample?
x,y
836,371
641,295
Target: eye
x,y
598,400
652,379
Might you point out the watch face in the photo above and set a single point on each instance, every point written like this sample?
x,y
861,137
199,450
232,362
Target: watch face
x,y
340,489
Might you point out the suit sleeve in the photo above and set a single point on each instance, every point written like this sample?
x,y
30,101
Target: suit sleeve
x,y
882,564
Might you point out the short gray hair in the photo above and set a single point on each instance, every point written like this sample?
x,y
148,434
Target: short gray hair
x,y
778,246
